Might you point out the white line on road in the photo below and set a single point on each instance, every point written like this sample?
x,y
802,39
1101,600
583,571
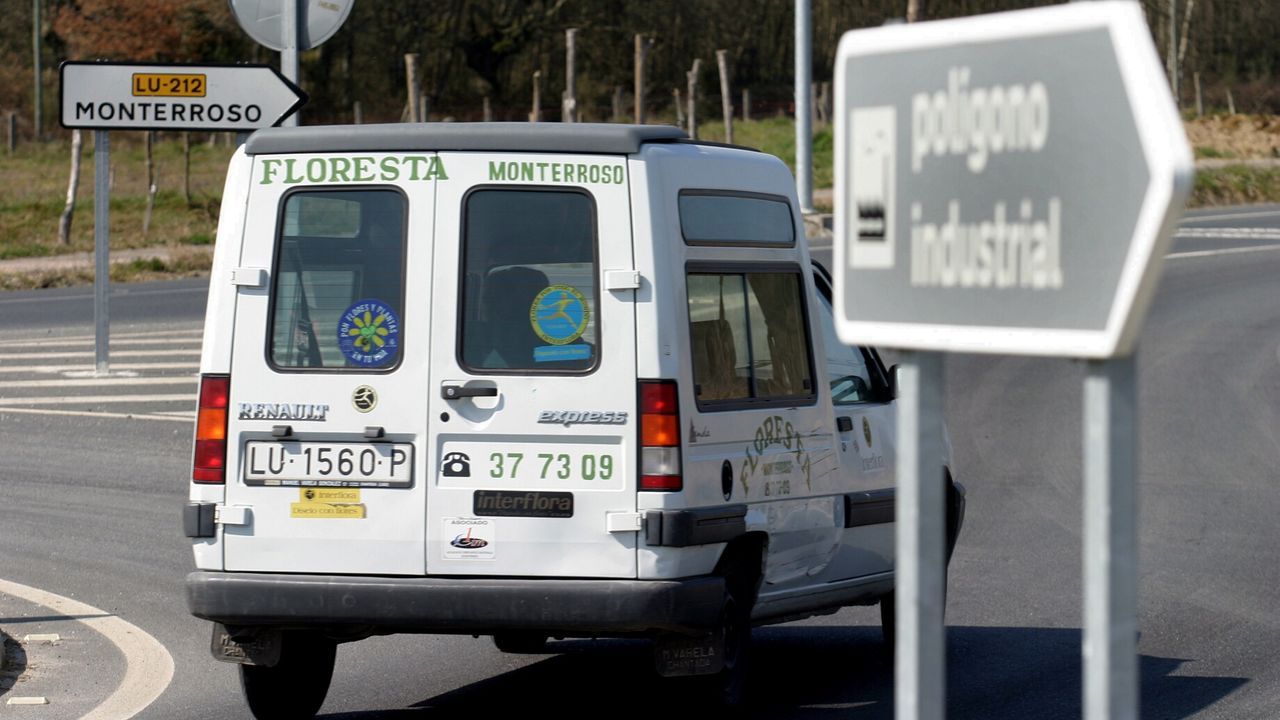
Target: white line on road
x,y
1259,233
78,413
1230,216
1224,251
72,342
95,399
193,352
117,294
56,369
148,665
97,382
195,331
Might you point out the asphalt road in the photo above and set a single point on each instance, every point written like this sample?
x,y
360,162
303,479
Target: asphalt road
x,y
89,501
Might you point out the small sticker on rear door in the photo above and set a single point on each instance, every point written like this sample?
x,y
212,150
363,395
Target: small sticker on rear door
x,y
559,315
469,538
369,334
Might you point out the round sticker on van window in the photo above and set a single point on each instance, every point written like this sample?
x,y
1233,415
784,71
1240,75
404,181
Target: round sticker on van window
x,y
559,314
369,334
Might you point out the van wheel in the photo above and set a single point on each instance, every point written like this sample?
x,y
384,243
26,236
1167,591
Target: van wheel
x,y
521,642
295,688
727,688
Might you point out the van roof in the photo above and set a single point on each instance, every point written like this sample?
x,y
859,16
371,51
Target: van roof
x,y
608,138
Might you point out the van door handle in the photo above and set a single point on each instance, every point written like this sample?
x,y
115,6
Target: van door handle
x,y
454,392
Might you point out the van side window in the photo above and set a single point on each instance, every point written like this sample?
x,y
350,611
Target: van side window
x,y
748,336
721,217
847,372
337,294
529,295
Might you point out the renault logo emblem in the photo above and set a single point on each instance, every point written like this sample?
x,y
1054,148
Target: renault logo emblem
x,y
364,398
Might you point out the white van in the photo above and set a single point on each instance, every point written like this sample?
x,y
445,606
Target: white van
x,y
527,381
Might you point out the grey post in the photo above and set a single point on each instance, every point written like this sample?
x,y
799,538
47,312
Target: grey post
x,y
38,109
101,236
290,22
1110,540
804,129
920,672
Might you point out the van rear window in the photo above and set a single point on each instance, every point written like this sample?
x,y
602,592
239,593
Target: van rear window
x,y
529,296
338,290
709,217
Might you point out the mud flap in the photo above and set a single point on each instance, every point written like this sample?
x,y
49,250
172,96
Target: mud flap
x,y
682,656
247,646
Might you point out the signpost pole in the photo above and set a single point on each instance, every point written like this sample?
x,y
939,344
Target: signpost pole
x,y
804,107
920,686
289,20
101,235
1110,540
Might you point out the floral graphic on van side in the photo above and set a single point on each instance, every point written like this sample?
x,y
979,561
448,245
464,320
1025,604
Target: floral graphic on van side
x,y
369,334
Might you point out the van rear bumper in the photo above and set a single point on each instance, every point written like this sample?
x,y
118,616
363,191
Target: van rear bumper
x,y
457,604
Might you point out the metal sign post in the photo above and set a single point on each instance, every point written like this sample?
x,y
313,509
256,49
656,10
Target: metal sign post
x,y
101,234
920,652
1009,183
804,106
1110,540
289,53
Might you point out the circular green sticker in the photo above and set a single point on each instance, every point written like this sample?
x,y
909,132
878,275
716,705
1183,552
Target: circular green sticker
x,y
559,314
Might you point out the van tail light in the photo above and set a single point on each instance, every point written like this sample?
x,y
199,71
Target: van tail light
x,y
659,436
210,461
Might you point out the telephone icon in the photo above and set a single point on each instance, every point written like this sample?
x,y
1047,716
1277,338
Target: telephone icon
x,y
456,464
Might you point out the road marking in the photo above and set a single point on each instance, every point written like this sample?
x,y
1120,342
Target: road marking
x,y
96,382
148,665
4,410
193,352
29,700
63,369
95,399
1224,251
72,342
1258,233
1230,216
196,331
117,294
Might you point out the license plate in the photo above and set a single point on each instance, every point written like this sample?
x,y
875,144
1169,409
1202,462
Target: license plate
x,y
329,464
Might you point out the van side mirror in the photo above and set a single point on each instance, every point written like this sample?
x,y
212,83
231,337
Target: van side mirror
x,y
893,382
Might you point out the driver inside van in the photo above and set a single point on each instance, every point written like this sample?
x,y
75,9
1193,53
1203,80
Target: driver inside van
x,y
506,338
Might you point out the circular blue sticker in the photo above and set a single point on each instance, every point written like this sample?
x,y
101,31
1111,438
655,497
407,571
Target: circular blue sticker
x,y
559,314
369,333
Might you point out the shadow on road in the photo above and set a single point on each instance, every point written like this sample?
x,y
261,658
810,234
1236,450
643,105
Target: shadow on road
x,y
825,672
13,661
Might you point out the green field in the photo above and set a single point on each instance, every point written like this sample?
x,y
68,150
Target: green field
x,y
33,186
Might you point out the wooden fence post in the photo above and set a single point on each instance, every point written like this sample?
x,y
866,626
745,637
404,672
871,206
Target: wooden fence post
x,y
357,113
726,100
692,78
675,93
535,114
13,132
746,104
1199,102
642,54
68,210
617,103
488,110
411,79
569,105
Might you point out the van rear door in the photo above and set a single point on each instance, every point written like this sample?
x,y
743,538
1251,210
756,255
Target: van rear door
x,y
328,371
533,369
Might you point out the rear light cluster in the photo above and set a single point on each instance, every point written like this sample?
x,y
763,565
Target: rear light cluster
x,y
210,463
659,436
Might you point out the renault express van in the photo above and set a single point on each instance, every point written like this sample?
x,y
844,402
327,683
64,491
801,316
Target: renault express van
x,y
530,381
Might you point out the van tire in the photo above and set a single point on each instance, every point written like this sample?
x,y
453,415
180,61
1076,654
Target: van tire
x,y
521,642
295,687
728,687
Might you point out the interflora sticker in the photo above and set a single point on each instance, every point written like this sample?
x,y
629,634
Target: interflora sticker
x,y
469,538
328,503
559,315
369,334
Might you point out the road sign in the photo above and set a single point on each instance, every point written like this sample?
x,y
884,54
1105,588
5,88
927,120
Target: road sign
x,y
119,96
318,20
1005,183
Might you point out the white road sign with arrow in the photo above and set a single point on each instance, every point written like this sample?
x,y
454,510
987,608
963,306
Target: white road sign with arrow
x,y
231,98
1005,183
